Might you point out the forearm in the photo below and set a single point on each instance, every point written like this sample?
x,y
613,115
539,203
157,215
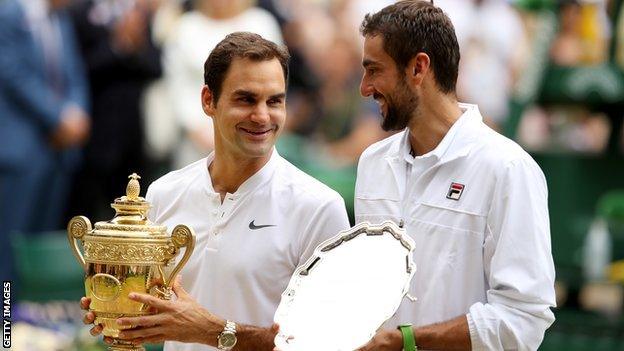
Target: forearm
x,y
252,338
450,335
248,337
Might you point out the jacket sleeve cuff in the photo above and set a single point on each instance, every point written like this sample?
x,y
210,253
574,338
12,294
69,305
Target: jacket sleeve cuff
x,y
475,340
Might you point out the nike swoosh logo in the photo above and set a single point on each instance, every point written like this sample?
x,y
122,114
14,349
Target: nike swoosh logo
x,y
252,226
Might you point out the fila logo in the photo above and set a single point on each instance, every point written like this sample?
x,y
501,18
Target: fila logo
x,y
455,191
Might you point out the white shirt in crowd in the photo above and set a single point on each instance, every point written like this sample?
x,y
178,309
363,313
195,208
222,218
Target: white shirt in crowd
x,y
476,207
248,246
492,52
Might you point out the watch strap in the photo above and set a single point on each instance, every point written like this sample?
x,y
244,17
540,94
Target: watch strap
x,y
409,341
230,326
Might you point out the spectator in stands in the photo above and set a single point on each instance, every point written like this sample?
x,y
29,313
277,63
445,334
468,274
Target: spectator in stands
x,y
491,53
121,59
43,116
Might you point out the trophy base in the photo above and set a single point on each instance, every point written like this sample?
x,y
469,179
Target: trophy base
x,y
121,346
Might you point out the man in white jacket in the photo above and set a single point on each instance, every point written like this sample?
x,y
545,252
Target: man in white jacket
x,y
474,202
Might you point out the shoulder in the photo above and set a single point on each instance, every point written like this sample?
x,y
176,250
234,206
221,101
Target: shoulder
x,y
382,148
373,165
503,156
303,188
500,149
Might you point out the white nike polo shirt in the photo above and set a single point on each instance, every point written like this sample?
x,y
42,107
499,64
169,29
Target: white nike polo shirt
x,y
249,245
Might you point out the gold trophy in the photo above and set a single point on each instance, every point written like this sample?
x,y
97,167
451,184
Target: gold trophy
x,y
127,254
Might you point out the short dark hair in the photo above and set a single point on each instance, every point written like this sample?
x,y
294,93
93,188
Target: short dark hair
x,y
409,27
240,45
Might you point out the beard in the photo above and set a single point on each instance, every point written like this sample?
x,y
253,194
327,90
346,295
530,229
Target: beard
x,y
400,105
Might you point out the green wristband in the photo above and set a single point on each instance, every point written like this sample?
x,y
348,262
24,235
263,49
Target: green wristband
x,y
409,342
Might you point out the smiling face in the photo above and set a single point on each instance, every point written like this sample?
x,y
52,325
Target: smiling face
x,y
251,109
387,85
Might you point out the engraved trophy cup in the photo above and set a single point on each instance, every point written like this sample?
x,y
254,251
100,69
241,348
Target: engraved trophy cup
x,y
127,254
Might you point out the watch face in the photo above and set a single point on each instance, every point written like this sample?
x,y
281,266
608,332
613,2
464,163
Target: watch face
x,y
227,339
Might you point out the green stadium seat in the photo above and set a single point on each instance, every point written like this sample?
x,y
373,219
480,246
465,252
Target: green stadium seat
x,y
46,268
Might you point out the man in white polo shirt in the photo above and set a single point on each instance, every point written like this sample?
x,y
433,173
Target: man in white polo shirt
x,y
474,202
256,216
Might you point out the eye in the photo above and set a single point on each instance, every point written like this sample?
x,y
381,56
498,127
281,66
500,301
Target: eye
x,y
246,99
275,102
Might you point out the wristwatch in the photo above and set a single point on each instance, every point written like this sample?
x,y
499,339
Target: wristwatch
x,y
227,339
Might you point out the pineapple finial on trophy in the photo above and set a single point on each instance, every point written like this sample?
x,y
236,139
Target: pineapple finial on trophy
x,y
133,189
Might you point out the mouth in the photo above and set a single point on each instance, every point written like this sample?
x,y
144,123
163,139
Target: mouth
x,y
257,133
381,102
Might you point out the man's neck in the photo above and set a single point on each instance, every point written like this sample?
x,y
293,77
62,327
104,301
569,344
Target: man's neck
x,y
228,172
431,121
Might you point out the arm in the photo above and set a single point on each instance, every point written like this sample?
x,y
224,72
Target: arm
x,y
207,327
74,72
518,264
328,220
22,83
184,320
254,338
450,335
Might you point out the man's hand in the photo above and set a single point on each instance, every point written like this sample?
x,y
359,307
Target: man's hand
x,y
130,34
182,320
89,318
73,129
385,340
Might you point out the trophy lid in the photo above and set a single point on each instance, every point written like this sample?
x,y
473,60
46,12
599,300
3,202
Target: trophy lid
x,y
130,218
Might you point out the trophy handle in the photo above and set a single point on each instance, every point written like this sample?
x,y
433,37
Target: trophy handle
x,y
182,236
76,229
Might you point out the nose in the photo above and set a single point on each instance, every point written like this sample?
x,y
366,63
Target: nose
x,y
366,88
261,114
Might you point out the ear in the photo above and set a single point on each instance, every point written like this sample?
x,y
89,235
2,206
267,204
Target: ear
x,y
418,68
206,100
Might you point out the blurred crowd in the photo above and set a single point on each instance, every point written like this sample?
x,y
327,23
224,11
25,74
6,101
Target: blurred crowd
x,y
94,90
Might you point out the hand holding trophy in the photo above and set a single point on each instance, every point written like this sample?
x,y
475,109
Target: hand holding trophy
x,y
127,254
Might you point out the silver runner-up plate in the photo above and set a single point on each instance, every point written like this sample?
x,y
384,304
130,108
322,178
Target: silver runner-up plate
x,y
350,286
